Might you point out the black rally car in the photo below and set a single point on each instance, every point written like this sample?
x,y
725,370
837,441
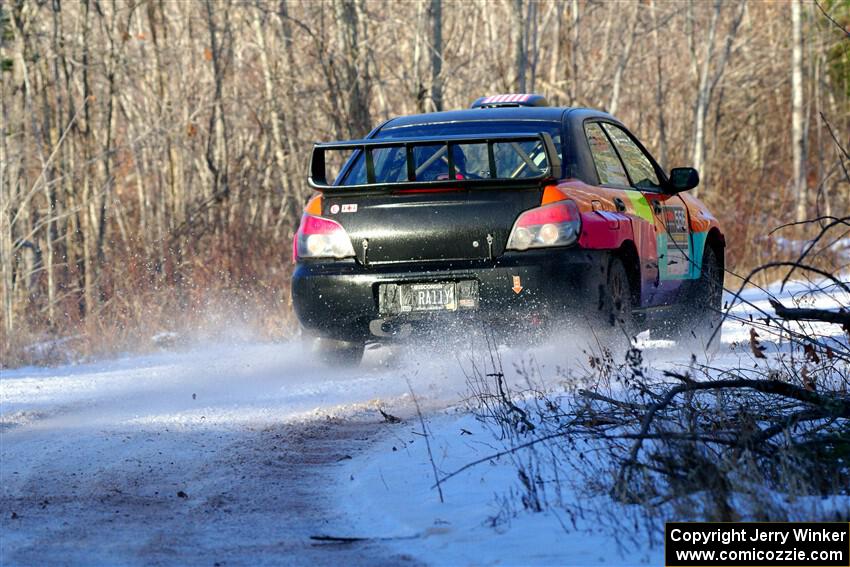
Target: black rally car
x,y
511,212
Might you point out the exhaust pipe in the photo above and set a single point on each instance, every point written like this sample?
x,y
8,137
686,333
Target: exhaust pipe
x,y
390,329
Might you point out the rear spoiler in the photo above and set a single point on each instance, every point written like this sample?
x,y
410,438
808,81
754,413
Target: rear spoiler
x,y
318,175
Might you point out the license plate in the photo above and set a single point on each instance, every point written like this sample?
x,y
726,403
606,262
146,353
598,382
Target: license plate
x,y
425,297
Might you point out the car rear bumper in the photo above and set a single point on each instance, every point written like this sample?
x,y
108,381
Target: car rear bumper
x,y
340,299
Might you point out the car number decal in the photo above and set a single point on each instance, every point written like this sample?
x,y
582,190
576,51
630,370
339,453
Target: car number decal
x,y
677,243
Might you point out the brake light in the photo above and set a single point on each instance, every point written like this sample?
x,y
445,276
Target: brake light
x,y
558,224
318,237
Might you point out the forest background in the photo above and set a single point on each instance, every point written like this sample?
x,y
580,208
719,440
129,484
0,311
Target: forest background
x,y
153,153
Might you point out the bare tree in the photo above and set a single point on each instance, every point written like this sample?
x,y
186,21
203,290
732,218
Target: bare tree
x,y
625,52
710,75
659,85
518,42
436,14
349,14
798,138
153,153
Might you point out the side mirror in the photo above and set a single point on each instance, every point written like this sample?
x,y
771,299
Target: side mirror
x,y
683,178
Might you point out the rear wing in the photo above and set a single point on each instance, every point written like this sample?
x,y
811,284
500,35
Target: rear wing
x,y
318,171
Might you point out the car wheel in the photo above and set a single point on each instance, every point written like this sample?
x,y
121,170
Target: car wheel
x,y
706,301
616,303
338,353
700,312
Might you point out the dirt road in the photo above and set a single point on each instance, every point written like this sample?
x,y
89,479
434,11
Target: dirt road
x,y
205,458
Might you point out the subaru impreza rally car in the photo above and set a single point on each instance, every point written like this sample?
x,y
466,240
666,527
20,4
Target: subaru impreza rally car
x,y
513,213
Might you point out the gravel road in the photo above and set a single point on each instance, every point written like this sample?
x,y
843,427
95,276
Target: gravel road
x,y
211,457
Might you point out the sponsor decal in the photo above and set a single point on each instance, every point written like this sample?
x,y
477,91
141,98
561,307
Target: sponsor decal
x,y
351,208
517,287
334,209
675,244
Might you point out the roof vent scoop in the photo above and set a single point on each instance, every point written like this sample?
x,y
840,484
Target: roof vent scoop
x,y
503,100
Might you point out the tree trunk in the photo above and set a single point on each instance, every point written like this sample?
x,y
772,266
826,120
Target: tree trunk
x,y
274,115
355,65
532,46
623,61
659,87
217,144
703,95
575,93
709,77
519,45
555,70
437,54
798,139
6,239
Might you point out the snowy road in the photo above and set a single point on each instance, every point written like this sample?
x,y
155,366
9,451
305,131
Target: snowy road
x,y
237,454
216,456
230,455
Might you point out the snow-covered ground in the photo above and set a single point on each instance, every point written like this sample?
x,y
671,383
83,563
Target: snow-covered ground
x,y
238,453
390,494
390,491
216,455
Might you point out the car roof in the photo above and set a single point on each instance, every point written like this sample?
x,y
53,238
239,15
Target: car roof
x,y
548,113
581,163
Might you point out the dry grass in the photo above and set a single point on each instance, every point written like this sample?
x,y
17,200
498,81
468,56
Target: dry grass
x,y
628,443
201,290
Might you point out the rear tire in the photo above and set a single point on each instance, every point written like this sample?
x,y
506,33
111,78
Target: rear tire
x,y
616,321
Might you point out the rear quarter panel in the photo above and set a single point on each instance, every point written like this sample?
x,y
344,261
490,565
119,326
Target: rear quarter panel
x,y
606,228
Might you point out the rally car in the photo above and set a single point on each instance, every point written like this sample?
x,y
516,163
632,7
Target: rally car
x,y
511,213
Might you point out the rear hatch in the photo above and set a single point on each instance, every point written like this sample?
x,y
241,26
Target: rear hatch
x,y
458,225
438,192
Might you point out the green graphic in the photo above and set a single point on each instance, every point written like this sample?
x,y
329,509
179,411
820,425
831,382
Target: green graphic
x,y
641,206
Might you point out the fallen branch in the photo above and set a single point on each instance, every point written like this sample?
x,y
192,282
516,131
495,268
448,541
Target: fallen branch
x,y
355,539
805,314
828,405
794,265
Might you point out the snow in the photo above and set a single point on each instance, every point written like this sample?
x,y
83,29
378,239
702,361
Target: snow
x,y
271,448
92,457
390,492
225,384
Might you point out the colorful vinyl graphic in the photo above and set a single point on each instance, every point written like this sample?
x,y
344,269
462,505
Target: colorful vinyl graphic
x,y
675,244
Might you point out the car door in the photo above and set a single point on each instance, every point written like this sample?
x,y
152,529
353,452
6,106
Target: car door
x,y
673,238
614,183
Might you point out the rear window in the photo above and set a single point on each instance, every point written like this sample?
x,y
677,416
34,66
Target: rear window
x,y
514,160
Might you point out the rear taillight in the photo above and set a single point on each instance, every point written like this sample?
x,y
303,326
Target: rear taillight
x,y
558,224
318,237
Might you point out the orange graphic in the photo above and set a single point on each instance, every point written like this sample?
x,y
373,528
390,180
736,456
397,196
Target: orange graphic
x,y
517,285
